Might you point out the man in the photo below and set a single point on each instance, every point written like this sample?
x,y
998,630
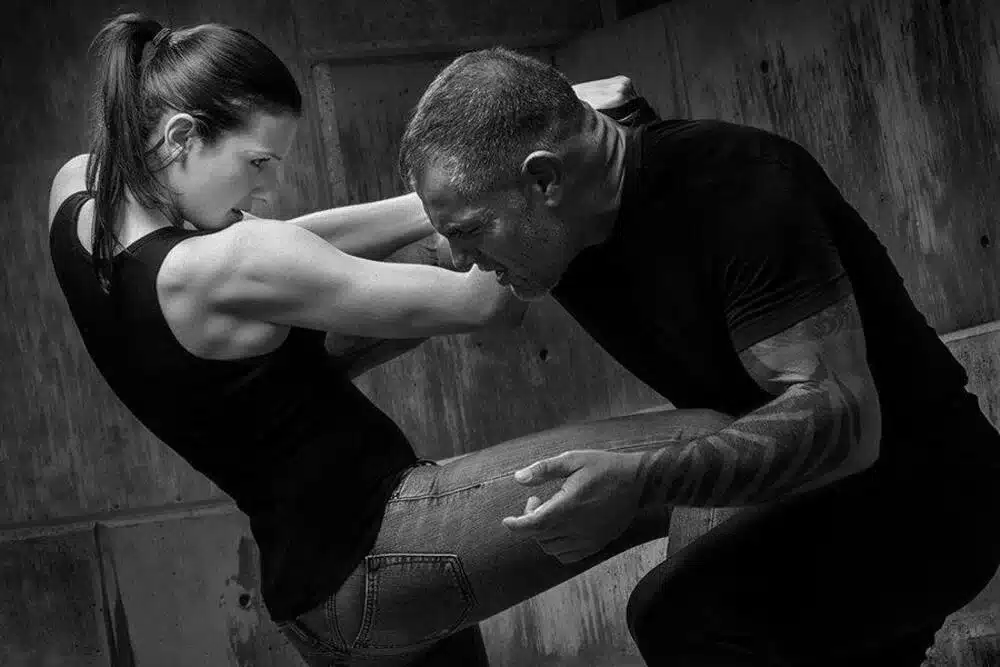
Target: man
x,y
720,265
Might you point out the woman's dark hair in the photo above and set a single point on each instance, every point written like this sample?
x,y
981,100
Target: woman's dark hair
x,y
218,74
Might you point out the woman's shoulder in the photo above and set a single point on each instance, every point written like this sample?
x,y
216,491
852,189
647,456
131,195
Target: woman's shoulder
x,y
71,178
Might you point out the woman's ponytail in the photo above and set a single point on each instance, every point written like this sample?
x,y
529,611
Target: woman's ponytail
x,y
218,74
118,154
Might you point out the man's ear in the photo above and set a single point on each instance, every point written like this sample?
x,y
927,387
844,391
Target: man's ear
x,y
179,134
543,177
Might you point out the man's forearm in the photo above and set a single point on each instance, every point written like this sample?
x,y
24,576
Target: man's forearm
x,y
373,230
807,436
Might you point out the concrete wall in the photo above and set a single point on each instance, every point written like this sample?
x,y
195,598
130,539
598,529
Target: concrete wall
x,y
113,551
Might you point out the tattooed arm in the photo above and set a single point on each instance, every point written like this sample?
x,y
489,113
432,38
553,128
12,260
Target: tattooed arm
x,y
823,424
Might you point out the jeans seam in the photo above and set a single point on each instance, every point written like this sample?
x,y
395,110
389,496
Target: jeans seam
x,y
310,639
444,494
450,492
332,623
368,608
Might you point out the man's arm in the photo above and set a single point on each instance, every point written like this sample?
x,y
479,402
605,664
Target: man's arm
x,y
823,424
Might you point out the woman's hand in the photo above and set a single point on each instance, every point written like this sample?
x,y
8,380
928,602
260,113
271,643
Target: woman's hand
x,y
604,94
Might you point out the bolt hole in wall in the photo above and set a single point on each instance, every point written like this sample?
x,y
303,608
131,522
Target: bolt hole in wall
x,y
543,354
985,241
245,600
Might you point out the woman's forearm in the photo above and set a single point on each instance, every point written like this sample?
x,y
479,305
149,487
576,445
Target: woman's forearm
x,y
373,230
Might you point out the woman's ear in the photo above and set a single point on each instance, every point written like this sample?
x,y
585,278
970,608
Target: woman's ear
x,y
179,134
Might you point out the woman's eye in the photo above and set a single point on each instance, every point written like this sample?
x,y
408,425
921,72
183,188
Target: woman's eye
x,y
259,162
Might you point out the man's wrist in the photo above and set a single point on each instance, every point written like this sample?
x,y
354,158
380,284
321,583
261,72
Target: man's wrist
x,y
431,250
635,112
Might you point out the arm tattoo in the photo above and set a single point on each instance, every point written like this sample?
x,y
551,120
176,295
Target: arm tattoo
x,y
810,430
838,318
806,433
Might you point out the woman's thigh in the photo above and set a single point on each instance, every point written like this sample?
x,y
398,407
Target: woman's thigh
x,y
458,507
443,559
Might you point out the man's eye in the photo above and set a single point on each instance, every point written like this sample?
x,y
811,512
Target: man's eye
x,y
259,162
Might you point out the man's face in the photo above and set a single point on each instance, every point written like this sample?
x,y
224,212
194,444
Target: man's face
x,y
526,245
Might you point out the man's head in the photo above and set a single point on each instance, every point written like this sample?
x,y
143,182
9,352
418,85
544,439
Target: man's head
x,y
491,150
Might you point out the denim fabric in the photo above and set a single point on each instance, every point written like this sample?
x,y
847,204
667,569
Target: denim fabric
x,y
443,560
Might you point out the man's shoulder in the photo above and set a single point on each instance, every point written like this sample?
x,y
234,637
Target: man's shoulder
x,y
709,142
712,180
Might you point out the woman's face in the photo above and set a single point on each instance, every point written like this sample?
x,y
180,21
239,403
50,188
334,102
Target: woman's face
x,y
211,183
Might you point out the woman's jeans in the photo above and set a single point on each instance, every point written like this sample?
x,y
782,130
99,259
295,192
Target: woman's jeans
x,y
443,561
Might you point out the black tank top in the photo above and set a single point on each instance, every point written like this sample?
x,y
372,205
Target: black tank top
x,y
286,434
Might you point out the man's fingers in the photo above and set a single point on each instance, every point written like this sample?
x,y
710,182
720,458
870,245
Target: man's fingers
x,y
532,504
519,524
546,470
541,518
541,515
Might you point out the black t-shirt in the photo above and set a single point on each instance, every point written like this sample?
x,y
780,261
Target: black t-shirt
x,y
728,235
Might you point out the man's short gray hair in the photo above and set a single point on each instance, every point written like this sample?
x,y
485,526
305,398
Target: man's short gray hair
x,y
483,114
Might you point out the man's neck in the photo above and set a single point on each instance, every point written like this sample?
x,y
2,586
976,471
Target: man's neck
x,y
605,155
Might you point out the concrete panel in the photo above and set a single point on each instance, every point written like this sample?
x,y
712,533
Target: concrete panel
x,y
51,607
186,592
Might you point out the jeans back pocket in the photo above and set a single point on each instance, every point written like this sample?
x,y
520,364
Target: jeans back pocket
x,y
412,599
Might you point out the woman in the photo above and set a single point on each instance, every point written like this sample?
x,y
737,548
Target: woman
x,y
209,325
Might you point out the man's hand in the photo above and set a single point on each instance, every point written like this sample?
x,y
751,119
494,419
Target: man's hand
x,y
432,250
598,499
604,94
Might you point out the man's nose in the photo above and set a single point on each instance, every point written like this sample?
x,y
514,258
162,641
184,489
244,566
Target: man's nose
x,y
463,258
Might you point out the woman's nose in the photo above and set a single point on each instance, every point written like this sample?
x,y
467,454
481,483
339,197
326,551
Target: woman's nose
x,y
269,180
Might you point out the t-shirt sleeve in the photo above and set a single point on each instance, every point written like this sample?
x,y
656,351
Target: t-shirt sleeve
x,y
775,262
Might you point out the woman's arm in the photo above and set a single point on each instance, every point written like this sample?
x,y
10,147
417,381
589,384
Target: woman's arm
x,y
373,230
359,354
286,275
